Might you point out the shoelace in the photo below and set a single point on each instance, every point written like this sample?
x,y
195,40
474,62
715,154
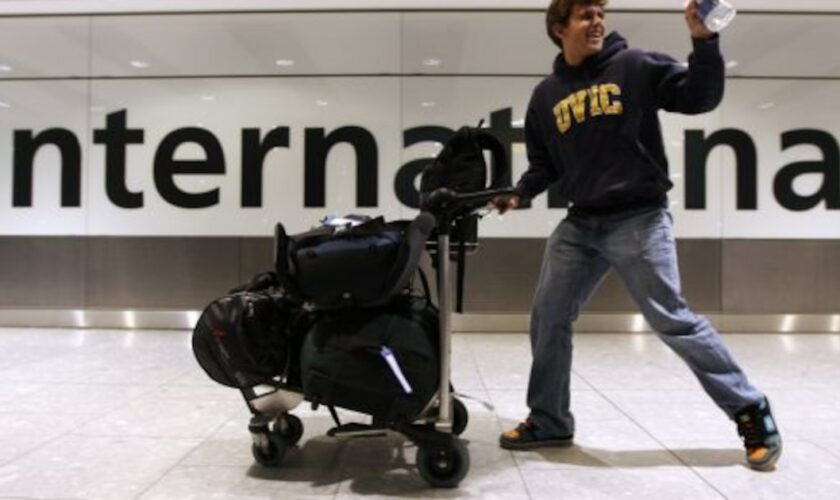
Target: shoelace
x,y
752,431
527,425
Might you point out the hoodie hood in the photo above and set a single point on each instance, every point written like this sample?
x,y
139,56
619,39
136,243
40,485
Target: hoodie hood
x,y
613,44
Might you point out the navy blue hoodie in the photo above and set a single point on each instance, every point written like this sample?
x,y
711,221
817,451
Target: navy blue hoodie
x,y
595,129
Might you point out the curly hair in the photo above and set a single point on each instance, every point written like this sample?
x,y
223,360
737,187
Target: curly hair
x,y
559,12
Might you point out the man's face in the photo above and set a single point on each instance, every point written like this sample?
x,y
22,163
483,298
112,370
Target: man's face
x,y
584,33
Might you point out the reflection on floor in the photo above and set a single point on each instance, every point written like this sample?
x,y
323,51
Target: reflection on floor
x,y
122,414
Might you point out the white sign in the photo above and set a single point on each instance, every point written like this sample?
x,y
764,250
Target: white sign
x,y
234,156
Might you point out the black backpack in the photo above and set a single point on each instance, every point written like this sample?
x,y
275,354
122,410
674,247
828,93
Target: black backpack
x,y
344,360
461,167
241,339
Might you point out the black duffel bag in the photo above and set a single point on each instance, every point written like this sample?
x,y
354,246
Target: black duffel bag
x,y
361,265
241,339
345,360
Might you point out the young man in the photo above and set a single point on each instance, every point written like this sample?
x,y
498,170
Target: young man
x,y
593,126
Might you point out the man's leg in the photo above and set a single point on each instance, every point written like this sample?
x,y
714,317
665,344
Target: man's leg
x,y
643,250
571,271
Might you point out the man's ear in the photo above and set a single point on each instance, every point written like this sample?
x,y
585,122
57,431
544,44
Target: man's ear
x,y
558,30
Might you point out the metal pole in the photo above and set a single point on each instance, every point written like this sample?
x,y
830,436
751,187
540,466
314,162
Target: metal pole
x,y
444,421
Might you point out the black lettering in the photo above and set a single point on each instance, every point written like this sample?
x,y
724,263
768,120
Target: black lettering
x,y
116,136
315,164
829,167
25,147
253,157
697,149
404,182
166,167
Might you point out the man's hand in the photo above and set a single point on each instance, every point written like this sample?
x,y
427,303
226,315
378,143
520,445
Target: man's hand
x,y
695,24
505,203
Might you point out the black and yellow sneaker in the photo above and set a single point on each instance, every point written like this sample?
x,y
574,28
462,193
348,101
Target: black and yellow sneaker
x,y
761,437
528,436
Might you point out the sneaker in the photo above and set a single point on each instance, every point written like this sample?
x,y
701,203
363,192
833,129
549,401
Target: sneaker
x,y
760,435
527,436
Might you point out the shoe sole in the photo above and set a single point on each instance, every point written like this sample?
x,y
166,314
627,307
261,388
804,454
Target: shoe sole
x,y
543,443
770,463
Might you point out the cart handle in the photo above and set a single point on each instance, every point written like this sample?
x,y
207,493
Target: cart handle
x,y
444,201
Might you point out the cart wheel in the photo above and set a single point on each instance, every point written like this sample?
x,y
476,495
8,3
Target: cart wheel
x,y
443,467
460,417
271,450
291,429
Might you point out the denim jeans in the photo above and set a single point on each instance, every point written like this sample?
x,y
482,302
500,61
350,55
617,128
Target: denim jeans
x,y
640,246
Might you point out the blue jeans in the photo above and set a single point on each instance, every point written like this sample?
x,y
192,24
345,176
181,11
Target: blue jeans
x,y
640,246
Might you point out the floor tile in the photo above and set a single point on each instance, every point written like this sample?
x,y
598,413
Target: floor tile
x,y
20,433
610,483
229,483
803,472
84,467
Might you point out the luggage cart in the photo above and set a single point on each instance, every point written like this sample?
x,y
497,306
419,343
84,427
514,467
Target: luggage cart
x,y
442,458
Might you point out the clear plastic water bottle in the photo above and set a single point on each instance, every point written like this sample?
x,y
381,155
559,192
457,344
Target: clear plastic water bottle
x,y
715,14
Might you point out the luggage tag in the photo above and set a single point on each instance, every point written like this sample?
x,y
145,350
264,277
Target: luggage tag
x,y
389,358
343,223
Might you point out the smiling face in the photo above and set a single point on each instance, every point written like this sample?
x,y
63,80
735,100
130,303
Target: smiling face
x,y
583,35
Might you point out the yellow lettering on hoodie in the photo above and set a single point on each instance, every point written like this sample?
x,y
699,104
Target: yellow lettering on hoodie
x,y
577,102
611,107
594,101
564,119
602,101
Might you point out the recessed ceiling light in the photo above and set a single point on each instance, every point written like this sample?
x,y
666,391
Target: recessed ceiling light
x,y
284,62
140,64
432,62
5,67
428,104
767,105
731,64
322,103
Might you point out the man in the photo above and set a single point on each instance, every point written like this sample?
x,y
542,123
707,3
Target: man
x,y
593,127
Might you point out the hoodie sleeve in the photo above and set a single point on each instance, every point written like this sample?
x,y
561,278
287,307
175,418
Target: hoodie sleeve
x,y
541,173
692,90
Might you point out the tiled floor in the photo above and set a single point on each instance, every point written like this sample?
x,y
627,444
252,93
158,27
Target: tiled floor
x,y
117,414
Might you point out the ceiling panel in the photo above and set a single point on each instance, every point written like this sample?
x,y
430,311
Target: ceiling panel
x,y
507,43
243,44
112,6
43,47
476,42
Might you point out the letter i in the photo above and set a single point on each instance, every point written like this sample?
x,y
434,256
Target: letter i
x,y
594,101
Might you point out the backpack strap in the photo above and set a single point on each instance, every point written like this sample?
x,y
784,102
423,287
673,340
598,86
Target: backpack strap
x,y
281,256
500,174
408,258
